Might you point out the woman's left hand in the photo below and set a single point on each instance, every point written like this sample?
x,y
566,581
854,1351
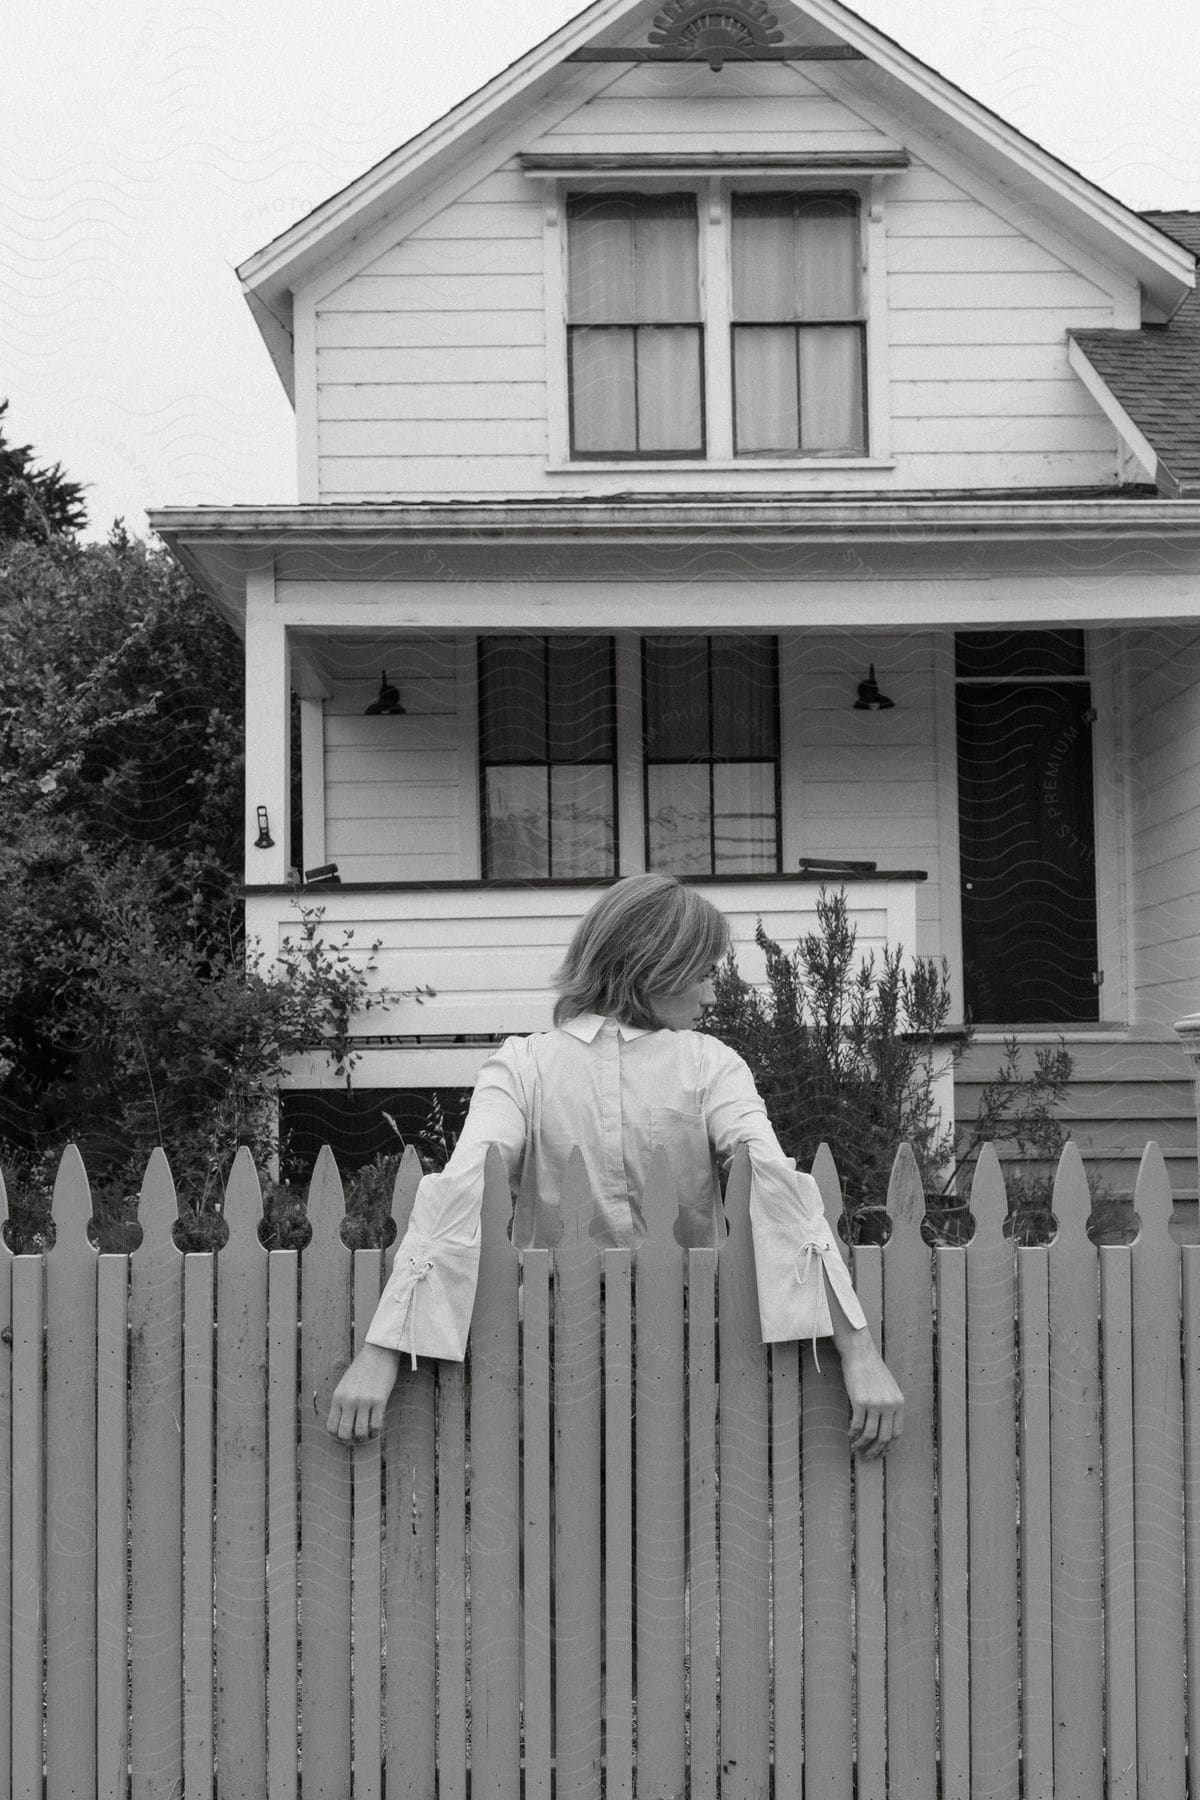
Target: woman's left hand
x,y
877,1405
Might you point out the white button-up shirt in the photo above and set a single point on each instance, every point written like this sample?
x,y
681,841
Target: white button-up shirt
x,y
617,1092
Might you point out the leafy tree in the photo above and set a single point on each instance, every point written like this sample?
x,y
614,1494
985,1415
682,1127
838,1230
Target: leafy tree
x,y
38,504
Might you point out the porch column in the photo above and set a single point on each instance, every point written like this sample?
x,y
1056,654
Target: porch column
x,y
1188,1032
268,730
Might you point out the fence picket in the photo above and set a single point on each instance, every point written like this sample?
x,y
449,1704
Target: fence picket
x,y
416,1581
112,1527
870,1615
1076,1495
367,1563
240,1537
71,1486
1120,1627
201,1518
1158,1488
908,1495
28,1537
6,1515
954,1626
702,1520
1190,1256
1036,1556
577,1381
661,1488
828,1537
537,1490
744,1506
325,1498
283,1525
495,1511
156,1491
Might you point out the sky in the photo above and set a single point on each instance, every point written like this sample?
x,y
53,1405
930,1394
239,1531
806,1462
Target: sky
x,y
149,146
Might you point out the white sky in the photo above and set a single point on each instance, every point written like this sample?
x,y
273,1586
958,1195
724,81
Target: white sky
x,y
148,146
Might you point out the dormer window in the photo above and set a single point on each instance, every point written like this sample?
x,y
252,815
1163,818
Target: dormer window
x,y
798,328
635,343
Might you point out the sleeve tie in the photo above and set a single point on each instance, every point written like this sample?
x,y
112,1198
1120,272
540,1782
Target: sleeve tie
x,y
420,1268
809,1248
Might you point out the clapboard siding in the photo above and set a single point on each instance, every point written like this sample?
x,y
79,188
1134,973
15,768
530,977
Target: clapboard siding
x,y
979,390
1164,698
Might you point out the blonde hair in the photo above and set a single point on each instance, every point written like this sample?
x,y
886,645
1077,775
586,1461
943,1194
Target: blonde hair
x,y
647,936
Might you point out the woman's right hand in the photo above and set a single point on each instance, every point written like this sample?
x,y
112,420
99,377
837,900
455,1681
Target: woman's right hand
x,y
361,1396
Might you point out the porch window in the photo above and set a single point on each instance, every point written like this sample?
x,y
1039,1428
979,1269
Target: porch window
x,y
634,339
547,728
799,331
711,754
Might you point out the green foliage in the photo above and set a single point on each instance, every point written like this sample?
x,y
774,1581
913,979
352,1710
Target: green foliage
x,y
37,504
848,1052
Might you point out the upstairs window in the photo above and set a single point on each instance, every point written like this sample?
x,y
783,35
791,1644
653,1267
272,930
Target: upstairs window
x,y
547,727
798,326
635,342
711,754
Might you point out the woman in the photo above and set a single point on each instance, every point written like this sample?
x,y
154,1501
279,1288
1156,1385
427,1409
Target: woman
x,y
622,1072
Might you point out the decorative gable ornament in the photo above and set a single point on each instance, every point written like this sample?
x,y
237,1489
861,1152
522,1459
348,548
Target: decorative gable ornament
x,y
694,28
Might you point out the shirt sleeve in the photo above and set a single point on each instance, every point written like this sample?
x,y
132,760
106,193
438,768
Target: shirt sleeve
x,y
794,1245
425,1308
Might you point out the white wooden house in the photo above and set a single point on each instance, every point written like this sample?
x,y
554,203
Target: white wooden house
x,y
708,364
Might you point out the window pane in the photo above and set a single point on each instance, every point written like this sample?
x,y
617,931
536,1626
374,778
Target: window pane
x,y
744,802
581,700
668,389
677,818
829,258
581,821
517,827
512,683
600,260
603,404
675,697
831,388
1009,654
743,685
764,257
767,407
666,260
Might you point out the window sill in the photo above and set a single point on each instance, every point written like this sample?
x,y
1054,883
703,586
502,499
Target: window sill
x,y
699,465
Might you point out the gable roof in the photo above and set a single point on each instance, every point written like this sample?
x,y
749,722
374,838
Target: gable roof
x,y
1153,375
890,74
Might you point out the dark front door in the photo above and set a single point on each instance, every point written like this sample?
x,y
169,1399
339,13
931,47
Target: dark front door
x,y
1028,852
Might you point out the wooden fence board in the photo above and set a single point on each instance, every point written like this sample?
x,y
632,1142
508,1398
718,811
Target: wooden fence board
x,y
1158,1488
1190,1256
420,1462
201,1513
6,1515
828,1695
1036,1557
870,1614
112,1527
156,1478
954,1619
537,1491
71,1487
992,1503
702,1521
789,1692
28,1538
661,1491
495,1509
618,1517
283,1525
908,1496
240,1535
577,1383
1120,1627
1076,1493
325,1498
744,1507
367,1563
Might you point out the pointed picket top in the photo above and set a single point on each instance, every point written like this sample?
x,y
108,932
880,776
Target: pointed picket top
x,y
243,1203
825,1174
1152,1196
1071,1201
158,1205
666,1217
578,1205
71,1207
326,1204
989,1198
404,1191
497,1201
906,1193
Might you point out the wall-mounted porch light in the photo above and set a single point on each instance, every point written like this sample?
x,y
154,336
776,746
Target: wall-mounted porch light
x,y
389,698
869,697
264,840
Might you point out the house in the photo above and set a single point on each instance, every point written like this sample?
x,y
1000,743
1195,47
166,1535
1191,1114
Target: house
x,y
715,376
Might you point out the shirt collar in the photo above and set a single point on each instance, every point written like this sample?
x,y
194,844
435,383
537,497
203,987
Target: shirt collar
x,y
586,1026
